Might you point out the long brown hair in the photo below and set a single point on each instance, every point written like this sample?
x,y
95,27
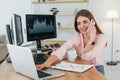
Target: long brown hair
x,y
89,15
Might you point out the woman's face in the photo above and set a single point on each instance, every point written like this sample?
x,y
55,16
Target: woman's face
x,y
83,24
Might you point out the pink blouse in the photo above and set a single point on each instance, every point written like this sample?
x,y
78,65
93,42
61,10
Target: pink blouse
x,y
95,56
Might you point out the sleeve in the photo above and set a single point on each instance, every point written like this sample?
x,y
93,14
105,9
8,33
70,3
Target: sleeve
x,y
60,53
98,48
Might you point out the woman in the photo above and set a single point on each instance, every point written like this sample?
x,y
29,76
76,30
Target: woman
x,y
89,42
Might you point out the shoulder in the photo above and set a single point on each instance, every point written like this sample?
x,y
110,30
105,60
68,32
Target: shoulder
x,y
78,35
101,37
75,38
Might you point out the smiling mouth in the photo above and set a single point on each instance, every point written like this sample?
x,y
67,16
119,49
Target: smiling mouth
x,y
84,30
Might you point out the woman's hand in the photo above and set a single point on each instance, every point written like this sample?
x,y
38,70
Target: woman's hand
x,y
92,32
44,65
48,63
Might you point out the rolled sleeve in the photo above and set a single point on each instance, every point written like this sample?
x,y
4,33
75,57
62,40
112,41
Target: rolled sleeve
x,y
61,52
98,49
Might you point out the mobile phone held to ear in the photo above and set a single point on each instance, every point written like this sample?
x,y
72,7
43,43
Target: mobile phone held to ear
x,y
92,21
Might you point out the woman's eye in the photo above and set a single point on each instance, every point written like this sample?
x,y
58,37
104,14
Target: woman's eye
x,y
85,22
78,23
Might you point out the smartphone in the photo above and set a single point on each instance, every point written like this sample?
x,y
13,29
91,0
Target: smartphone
x,y
93,22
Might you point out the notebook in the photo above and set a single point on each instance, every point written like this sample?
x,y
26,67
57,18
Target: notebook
x,y
72,66
23,63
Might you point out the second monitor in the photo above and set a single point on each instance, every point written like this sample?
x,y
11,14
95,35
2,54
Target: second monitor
x,y
40,27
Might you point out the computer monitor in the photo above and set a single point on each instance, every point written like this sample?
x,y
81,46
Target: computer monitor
x,y
16,24
9,33
40,27
14,32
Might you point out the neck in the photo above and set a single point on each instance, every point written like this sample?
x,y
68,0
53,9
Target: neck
x,y
85,35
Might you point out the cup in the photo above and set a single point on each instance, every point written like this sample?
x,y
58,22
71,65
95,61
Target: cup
x,y
72,55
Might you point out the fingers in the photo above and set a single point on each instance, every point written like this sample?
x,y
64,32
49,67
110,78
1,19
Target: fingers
x,y
39,67
92,27
51,67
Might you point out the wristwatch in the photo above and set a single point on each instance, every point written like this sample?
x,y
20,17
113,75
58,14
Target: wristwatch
x,y
91,42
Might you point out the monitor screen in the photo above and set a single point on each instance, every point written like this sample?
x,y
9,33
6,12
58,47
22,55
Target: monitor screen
x,y
40,27
17,29
9,34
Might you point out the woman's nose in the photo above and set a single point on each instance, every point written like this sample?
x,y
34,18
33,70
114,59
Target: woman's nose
x,y
82,25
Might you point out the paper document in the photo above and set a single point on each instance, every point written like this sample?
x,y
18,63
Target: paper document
x,y
72,66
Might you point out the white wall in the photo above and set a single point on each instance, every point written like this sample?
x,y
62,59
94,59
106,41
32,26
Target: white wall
x,y
65,21
9,7
99,9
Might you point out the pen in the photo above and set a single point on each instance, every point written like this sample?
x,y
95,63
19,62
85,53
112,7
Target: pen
x,y
72,66
82,67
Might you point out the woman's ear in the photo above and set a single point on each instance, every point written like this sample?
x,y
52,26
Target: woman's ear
x,y
106,44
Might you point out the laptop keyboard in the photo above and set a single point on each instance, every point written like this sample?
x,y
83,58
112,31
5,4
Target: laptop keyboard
x,y
42,74
40,58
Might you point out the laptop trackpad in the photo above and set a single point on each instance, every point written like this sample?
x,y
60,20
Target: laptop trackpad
x,y
42,74
54,73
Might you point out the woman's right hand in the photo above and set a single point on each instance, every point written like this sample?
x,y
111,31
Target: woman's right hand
x,y
92,30
44,65
48,63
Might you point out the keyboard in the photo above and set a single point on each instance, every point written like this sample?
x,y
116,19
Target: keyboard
x,y
56,45
46,49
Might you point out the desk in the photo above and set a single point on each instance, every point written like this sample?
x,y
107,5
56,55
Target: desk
x,y
7,73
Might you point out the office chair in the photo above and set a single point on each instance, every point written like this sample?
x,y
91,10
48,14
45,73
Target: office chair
x,y
3,48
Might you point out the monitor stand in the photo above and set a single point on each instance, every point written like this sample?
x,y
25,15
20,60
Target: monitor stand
x,y
39,48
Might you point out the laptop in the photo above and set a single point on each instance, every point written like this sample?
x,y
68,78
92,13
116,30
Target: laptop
x,y
23,63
